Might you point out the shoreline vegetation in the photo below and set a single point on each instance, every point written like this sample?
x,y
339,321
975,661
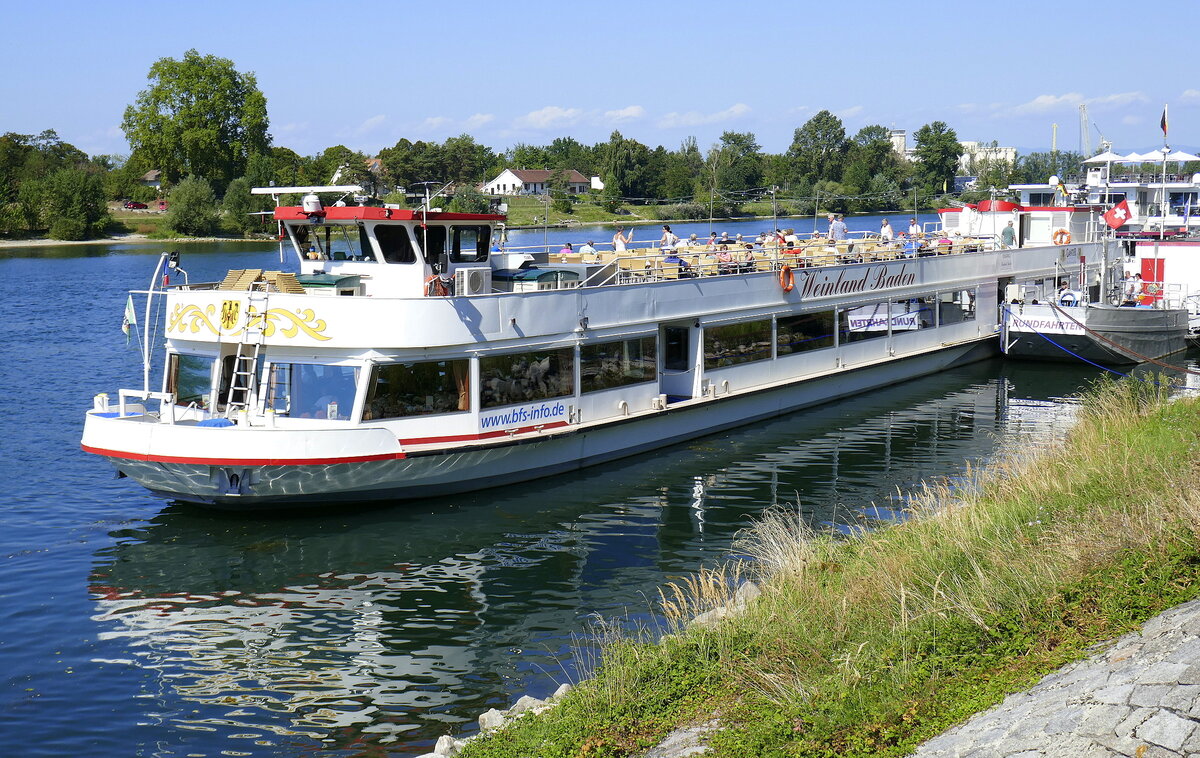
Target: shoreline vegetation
x,y
145,227
869,646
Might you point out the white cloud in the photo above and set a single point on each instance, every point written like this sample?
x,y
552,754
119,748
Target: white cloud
x,y
434,122
1047,103
695,118
291,127
1190,96
1132,120
477,120
549,117
624,115
370,124
1117,100
850,112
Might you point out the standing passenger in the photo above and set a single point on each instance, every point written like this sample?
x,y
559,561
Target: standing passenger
x,y
620,240
885,231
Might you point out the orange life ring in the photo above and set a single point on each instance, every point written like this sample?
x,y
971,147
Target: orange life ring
x,y
787,280
435,286
1062,237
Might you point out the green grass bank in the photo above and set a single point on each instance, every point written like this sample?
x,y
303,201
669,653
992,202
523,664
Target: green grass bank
x,y
869,646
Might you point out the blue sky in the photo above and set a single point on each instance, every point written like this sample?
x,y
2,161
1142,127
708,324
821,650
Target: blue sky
x,y
365,74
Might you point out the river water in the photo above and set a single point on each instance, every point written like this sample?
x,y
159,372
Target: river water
x,y
133,626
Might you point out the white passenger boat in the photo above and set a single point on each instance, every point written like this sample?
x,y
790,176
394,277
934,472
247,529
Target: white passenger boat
x,y
389,367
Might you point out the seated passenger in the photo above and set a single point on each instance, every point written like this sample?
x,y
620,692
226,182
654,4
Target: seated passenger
x,y
672,256
588,252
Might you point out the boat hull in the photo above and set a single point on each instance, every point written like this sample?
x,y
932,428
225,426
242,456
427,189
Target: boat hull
x,y
427,473
1103,334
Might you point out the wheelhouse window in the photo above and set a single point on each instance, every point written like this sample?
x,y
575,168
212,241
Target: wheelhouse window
x,y
418,389
332,242
731,344
395,244
525,377
808,331
432,239
614,364
312,390
863,323
189,377
469,244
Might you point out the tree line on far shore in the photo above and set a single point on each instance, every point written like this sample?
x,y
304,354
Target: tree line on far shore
x,y
212,149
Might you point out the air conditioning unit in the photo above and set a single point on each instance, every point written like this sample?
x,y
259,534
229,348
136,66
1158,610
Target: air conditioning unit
x,y
475,280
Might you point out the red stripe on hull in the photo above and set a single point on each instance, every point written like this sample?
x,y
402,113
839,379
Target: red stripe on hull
x,y
241,461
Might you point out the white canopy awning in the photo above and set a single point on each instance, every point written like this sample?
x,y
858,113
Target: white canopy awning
x,y
1179,155
1108,156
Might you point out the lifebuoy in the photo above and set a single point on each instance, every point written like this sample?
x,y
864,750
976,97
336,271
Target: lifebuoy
x,y
1153,289
1062,237
787,280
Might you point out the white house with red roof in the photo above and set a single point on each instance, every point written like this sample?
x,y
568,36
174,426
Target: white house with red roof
x,y
533,181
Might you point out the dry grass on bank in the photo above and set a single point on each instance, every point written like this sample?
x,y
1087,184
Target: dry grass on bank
x,y
868,646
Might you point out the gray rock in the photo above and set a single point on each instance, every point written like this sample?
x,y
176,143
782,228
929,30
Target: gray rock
x,y
746,593
1129,725
1166,729
491,719
710,618
562,690
683,742
1149,695
1114,695
524,704
447,746
1162,673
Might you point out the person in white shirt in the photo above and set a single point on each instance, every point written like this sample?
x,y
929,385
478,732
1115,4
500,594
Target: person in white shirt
x,y
885,231
913,227
619,240
588,253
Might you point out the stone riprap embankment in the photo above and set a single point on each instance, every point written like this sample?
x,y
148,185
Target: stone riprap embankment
x,y
1138,696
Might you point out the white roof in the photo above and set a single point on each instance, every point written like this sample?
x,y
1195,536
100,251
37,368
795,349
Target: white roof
x,y
1108,156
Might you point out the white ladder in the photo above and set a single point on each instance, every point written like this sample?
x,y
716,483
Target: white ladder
x,y
243,380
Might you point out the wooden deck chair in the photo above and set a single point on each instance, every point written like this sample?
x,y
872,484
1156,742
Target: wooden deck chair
x,y
284,281
666,271
245,279
231,278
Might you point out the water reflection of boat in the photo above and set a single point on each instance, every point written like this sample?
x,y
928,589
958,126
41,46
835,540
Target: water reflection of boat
x,y
404,623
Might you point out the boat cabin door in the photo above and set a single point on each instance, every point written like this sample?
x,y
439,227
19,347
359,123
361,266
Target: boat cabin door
x,y
677,367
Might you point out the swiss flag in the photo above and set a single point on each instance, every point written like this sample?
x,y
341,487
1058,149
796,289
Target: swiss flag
x,y
1118,215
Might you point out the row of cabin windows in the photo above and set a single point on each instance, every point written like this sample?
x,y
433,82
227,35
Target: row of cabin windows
x,y
397,390
463,244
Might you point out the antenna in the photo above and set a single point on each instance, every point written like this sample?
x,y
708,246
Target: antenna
x,y
1085,133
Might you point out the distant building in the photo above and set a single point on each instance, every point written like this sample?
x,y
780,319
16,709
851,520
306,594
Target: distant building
x,y
899,139
533,181
152,178
974,152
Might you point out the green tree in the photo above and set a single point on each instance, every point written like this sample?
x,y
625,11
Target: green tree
x,y
937,152
193,210
73,204
467,199
683,169
238,207
744,162
625,163
1037,168
818,148
198,117
464,160
557,185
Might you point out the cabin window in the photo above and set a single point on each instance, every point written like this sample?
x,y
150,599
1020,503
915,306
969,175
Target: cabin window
x,y
189,377
731,344
432,240
525,377
808,331
956,306
615,364
863,323
312,390
418,389
395,244
469,244
913,314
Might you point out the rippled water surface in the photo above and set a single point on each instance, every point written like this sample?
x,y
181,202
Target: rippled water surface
x,y
132,626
